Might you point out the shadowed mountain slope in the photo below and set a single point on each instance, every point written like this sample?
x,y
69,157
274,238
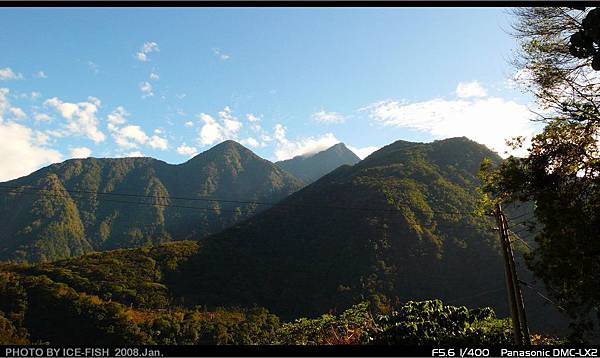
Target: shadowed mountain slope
x,y
399,224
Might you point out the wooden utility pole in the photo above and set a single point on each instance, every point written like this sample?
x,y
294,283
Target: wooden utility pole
x,y
515,298
518,293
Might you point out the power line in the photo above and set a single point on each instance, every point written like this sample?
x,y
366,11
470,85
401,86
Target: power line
x,y
521,231
521,222
438,226
207,199
136,203
542,295
518,216
519,238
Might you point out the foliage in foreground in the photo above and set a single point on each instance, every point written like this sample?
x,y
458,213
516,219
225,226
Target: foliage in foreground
x,y
560,174
412,323
32,307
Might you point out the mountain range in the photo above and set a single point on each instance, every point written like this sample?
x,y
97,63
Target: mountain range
x,y
309,168
84,205
399,225
96,204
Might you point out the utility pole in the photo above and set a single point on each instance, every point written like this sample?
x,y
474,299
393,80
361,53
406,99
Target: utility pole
x,y
518,293
515,298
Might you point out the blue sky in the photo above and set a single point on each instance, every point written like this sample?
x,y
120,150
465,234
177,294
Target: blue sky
x,y
169,83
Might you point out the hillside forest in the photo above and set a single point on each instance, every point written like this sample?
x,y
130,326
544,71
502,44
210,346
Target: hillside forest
x,y
403,247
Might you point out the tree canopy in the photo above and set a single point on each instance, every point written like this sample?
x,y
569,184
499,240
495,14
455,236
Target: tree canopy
x,y
561,172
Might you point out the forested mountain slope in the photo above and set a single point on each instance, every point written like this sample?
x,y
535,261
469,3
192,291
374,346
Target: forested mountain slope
x,y
57,211
398,225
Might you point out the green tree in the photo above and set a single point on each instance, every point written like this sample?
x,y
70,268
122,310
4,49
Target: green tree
x,y
561,172
562,82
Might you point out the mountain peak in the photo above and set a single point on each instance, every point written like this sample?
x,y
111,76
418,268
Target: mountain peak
x,y
228,145
312,167
224,149
338,146
228,170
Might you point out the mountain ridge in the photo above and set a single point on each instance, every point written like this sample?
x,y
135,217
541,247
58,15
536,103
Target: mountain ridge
x,y
227,171
312,167
404,241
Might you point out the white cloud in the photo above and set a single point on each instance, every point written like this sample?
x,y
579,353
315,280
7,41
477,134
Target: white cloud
x,y
81,117
129,136
136,153
56,133
4,103
252,118
250,142
221,55
117,116
8,74
328,117
41,117
18,113
364,152
154,76
146,89
157,142
41,138
81,152
287,149
22,152
489,121
213,130
470,89
256,127
147,48
265,137
6,108
141,56
132,136
189,124
94,100
150,47
184,149
41,74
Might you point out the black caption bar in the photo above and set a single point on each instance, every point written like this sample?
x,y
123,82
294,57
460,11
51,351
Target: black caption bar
x,y
293,351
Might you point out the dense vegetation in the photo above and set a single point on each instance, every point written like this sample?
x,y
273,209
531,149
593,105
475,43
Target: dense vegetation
x,y
398,225
68,218
560,174
387,237
37,299
309,168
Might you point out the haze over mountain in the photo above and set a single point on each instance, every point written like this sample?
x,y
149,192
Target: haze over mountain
x,y
69,217
309,168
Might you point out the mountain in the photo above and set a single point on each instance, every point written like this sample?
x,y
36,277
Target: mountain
x,y
312,167
84,205
398,225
